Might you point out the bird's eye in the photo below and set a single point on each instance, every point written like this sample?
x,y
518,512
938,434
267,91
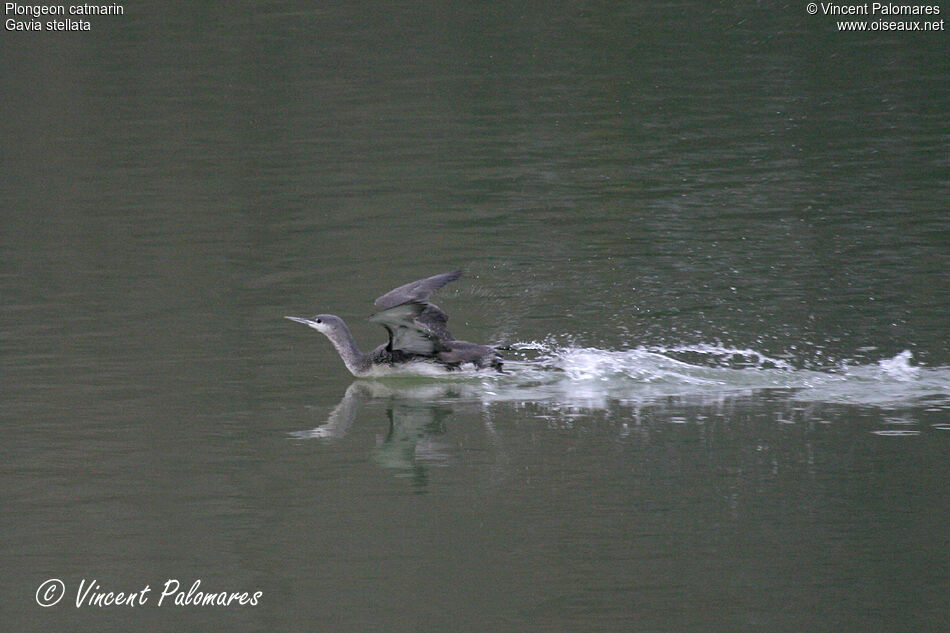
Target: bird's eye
x,y
319,321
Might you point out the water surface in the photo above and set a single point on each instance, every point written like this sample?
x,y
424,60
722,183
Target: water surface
x,y
715,236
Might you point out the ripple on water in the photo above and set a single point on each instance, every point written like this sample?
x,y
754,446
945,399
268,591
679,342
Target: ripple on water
x,y
896,432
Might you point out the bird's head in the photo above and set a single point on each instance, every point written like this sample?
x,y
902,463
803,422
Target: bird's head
x,y
324,323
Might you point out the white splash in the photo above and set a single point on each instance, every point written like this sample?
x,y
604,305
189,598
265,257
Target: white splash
x,y
590,378
566,381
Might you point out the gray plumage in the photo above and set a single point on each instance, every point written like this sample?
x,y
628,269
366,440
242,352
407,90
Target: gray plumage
x,y
417,331
415,291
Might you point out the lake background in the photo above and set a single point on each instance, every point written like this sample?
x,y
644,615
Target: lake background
x,y
717,235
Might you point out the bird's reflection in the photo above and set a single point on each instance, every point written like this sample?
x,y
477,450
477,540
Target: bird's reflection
x,y
342,415
416,414
411,443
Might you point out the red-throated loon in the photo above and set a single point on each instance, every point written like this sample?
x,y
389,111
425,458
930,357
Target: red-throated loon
x,y
416,332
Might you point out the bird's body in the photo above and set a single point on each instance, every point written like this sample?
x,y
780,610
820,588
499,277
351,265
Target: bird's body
x,y
417,332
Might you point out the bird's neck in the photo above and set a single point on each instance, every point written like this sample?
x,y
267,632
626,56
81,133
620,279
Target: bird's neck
x,y
356,361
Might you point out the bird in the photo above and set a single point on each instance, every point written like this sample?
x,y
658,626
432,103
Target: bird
x,y
417,332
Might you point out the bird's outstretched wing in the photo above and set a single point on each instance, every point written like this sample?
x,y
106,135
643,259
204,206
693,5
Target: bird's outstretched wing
x,y
415,325
416,291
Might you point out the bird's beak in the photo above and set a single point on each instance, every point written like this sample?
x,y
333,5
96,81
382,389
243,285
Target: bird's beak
x,y
304,321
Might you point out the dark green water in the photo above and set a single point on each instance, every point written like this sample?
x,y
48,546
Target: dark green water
x,y
717,234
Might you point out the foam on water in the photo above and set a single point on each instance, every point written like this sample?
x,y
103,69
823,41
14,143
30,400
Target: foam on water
x,y
566,381
589,377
